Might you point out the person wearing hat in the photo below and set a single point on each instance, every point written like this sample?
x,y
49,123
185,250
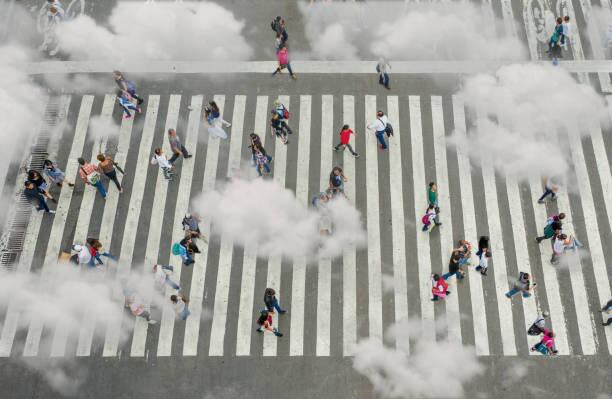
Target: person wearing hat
x,y
265,323
539,324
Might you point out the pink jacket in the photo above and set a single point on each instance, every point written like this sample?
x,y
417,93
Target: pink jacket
x,y
283,57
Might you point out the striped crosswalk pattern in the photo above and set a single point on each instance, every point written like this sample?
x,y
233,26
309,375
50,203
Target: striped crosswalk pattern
x,y
225,285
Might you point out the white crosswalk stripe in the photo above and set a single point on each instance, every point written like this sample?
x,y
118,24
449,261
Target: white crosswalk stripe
x,y
503,334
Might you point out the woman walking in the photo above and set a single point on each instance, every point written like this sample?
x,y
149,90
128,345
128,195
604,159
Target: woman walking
x,y
336,181
180,303
55,174
107,165
283,62
265,323
39,182
95,248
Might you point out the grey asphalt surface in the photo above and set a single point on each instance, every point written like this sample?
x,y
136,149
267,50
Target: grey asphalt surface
x,y
307,377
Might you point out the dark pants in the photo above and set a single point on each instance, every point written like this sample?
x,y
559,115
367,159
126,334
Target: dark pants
x,y
347,145
288,66
133,94
384,79
548,192
175,156
381,139
113,176
42,204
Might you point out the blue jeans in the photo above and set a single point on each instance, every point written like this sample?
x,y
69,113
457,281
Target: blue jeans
x,y
187,259
185,313
457,274
515,291
42,204
127,108
384,79
381,139
276,306
100,188
97,257
265,166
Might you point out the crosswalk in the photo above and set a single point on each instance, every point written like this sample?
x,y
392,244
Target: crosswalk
x,y
334,302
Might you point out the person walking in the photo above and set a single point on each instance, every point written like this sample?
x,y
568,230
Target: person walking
x,y
55,174
255,144
439,287
261,161
264,322
551,230
539,325
522,284
213,115
572,244
336,182
278,26
82,255
55,16
35,196
558,248
432,194
283,115
383,68
90,174
380,127
277,128
181,306
40,183
483,264
567,32
607,310
557,217
137,307
483,244
283,62
271,301
454,267
96,251
345,140
429,218
107,166
182,249
550,188
159,159
177,147
127,86
161,275
125,102
546,346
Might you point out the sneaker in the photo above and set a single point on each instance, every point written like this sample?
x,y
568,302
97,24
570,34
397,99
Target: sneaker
x,y
424,228
554,198
540,201
294,78
51,211
71,184
335,148
356,155
259,330
282,312
152,321
278,334
188,156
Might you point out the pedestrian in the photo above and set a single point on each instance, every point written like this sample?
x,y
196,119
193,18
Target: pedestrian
x,y
265,323
256,144
383,68
432,194
381,126
483,264
125,102
127,86
278,26
90,174
159,158
107,166
567,31
336,182
177,147
283,62
483,243
558,248
607,310
572,244
345,140
271,301
55,174
181,306
319,202
82,255
261,161
523,284
181,249
551,230
162,276
191,223
278,128
96,251
556,35
54,17
40,183
539,325
137,307
213,115
546,346
283,115
550,188
454,267
430,217
439,287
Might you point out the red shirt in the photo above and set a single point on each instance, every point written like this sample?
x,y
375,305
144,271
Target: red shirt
x,y
345,136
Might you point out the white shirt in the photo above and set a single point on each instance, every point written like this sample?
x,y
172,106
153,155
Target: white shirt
x,y
160,275
179,306
382,67
84,255
379,124
558,246
484,261
540,322
567,29
161,161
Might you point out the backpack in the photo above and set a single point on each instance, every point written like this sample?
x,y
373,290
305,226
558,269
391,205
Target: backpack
x,y
549,231
336,181
176,248
425,219
389,130
285,113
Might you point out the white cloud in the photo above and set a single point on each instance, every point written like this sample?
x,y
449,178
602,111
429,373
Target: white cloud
x,y
424,31
158,31
270,216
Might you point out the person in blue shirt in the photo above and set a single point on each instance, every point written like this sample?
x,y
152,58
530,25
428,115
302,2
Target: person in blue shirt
x,y
126,104
127,86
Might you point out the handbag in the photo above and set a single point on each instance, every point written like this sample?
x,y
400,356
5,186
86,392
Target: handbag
x,y
93,178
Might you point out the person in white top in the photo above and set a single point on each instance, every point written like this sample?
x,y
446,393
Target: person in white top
x,y
160,159
483,264
539,324
83,256
558,248
551,188
55,15
383,68
379,126
567,32
180,306
162,276
137,306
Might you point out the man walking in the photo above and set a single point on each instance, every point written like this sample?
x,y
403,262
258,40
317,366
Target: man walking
x,y
90,174
523,285
380,127
383,68
35,196
271,301
177,147
345,138
551,188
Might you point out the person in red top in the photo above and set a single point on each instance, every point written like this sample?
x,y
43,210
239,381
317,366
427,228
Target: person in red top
x,y
439,287
345,138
